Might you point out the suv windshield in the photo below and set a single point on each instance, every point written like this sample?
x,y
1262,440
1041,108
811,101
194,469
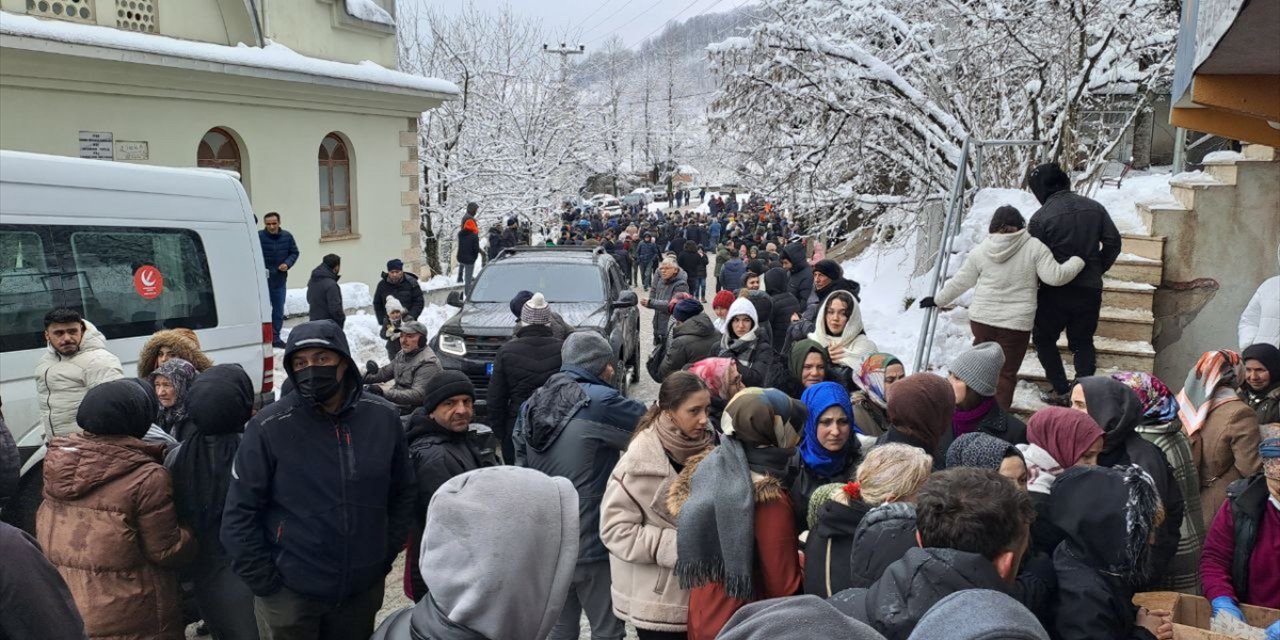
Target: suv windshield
x,y
558,282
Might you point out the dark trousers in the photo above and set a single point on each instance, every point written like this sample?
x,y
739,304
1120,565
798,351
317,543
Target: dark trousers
x,y
276,295
288,615
1074,309
589,594
1014,344
225,603
645,634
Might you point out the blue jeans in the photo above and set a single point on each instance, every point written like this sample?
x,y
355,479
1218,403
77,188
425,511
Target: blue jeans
x,y
276,294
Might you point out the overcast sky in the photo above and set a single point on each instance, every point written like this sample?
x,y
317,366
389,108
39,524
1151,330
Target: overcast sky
x,y
634,20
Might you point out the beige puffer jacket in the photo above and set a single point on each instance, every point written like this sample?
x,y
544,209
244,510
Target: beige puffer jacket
x,y
61,382
642,541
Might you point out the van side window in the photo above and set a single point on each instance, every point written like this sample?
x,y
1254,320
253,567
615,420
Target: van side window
x,y
134,281
27,286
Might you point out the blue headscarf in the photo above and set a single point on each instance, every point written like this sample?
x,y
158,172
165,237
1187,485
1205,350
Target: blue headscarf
x,y
819,398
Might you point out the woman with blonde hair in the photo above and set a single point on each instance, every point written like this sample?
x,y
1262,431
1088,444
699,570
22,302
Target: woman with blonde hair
x,y
634,524
866,524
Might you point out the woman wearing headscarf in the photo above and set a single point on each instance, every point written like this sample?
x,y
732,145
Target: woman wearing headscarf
x,y
1159,426
838,326
1260,388
171,381
1107,515
634,523
1223,429
982,451
220,402
747,346
736,537
1059,439
108,521
723,381
808,365
878,372
920,409
1118,411
829,451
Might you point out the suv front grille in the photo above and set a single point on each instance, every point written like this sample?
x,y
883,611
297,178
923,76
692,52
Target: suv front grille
x,y
483,347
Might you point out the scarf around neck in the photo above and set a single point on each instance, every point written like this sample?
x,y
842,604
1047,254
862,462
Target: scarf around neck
x,y
1042,469
872,376
717,523
1214,371
967,420
678,444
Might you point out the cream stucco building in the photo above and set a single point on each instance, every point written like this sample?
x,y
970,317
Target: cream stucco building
x,y
298,96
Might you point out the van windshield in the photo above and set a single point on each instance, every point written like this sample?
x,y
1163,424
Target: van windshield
x,y
557,282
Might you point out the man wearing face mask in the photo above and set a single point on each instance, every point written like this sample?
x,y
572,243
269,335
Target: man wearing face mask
x,y
321,496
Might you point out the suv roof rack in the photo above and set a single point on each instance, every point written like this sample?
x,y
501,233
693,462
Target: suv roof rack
x,y
511,251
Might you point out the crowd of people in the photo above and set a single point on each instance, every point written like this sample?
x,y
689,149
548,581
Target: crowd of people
x,y
789,481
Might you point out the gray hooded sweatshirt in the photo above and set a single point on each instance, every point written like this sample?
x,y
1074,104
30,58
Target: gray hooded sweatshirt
x,y
486,579
1000,618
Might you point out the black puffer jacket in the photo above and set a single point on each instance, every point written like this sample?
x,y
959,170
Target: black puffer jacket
x,y
468,246
324,296
691,341
883,537
521,365
319,503
1073,225
800,284
802,481
830,543
912,585
1091,605
438,454
407,291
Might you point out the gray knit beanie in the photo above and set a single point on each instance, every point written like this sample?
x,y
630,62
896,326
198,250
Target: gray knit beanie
x,y
979,368
588,350
536,311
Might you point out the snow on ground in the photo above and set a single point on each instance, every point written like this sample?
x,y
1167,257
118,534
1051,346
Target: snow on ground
x,y
885,271
272,56
369,11
355,295
439,281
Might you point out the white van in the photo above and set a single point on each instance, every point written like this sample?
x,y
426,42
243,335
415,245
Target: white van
x,y
78,233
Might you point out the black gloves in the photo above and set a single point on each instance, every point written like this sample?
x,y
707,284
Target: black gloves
x,y
927,303
370,368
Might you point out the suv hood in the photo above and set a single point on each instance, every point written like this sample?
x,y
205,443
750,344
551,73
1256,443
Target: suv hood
x,y
495,319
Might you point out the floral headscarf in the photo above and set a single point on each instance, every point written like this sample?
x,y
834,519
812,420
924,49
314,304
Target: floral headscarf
x,y
1210,383
179,373
717,373
871,376
1158,403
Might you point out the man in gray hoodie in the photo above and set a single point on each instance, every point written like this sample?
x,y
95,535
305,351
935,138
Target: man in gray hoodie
x,y
476,594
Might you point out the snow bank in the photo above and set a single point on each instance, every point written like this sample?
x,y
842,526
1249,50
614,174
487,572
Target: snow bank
x,y
1122,203
272,56
355,295
369,11
1223,156
439,281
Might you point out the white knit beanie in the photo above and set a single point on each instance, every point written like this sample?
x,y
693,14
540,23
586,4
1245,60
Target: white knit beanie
x,y
393,304
536,311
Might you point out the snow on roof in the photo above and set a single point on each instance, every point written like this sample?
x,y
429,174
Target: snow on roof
x,y
369,11
272,56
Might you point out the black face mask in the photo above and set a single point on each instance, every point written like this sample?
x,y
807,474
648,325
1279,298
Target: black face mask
x,y
318,383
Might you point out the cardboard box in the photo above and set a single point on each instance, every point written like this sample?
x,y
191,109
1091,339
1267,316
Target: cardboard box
x,y
1191,614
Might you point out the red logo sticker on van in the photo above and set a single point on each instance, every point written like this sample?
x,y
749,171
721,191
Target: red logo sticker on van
x,y
148,282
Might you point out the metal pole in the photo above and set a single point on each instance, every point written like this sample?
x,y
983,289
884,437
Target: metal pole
x,y
1179,150
930,317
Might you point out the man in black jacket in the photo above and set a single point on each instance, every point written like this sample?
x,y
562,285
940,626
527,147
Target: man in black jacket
x,y
324,296
404,286
521,366
1070,225
442,444
973,526
800,282
321,496
468,249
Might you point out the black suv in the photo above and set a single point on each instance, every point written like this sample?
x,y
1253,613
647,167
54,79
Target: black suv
x,y
583,284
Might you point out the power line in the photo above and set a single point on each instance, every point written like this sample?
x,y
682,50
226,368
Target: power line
x,y
610,16
589,15
672,19
637,17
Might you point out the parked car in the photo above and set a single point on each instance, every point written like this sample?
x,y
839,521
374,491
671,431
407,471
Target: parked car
x,y
634,200
76,233
644,192
583,284
611,205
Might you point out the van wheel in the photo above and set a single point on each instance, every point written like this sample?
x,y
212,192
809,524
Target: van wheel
x,y
21,510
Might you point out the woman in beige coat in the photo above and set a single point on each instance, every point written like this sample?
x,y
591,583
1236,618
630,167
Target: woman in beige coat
x,y
1223,430
634,522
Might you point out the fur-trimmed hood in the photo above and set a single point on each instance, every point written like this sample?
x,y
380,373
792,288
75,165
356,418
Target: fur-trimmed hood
x,y
766,487
180,345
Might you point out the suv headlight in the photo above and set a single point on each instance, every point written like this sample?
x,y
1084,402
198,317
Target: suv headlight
x,y
452,344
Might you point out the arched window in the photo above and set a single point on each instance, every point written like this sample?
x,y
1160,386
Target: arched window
x,y
218,150
335,187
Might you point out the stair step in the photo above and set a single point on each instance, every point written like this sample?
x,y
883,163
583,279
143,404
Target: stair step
x,y
1149,247
1114,354
1259,152
1134,268
1223,171
1032,372
1136,296
1125,325
1184,189
1151,209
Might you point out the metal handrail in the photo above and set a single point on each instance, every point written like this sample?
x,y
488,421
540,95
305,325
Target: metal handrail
x,y
924,345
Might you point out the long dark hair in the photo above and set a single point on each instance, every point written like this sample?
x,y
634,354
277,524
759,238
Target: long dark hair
x,y
675,389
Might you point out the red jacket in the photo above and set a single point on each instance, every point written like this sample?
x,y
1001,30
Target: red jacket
x,y
1219,546
779,570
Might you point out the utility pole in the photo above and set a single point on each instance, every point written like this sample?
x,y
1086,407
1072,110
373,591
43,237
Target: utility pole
x,y
564,51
